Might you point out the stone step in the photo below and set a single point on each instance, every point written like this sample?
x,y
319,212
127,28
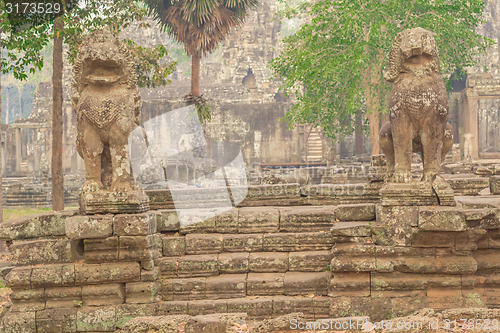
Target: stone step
x,y
176,246
257,307
248,220
227,286
243,262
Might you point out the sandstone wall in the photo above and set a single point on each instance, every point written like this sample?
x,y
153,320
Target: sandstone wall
x,y
94,273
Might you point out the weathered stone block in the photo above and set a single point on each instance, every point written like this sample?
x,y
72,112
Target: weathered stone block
x,y
45,251
134,224
300,283
265,284
399,216
392,235
167,267
351,229
207,307
52,276
285,305
227,222
305,219
135,248
197,265
19,322
100,319
258,219
495,185
92,226
468,240
306,241
433,239
209,324
258,308
167,220
355,212
441,219
491,221
243,243
19,278
35,226
107,273
349,284
155,324
442,264
101,250
199,221
487,260
56,320
183,289
309,261
63,297
226,286
172,308
354,264
397,281
268,262
27,300
143,292
126,312
233,262
150,275
103,294
174,246
203,243
321,306
444,292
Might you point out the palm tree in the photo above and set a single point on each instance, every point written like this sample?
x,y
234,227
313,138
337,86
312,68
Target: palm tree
x,y
200,25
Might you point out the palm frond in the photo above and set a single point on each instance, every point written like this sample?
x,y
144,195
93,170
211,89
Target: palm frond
x,y
199,24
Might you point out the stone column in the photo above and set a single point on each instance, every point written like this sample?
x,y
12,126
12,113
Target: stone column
x,y
18,149
36,160
471,120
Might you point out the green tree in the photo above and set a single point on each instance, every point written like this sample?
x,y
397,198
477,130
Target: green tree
x,y
200,25
334,64
24,56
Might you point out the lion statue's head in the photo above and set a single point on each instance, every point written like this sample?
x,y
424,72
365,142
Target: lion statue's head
x,y
415,52
103,60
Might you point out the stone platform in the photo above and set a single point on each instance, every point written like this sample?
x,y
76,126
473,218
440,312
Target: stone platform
x,y
94,273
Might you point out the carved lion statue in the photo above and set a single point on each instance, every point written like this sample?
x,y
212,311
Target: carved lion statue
x,y
418,107
107,105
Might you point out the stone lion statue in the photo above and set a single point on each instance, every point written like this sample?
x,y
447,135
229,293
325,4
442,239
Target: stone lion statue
x,y
107,105
418,107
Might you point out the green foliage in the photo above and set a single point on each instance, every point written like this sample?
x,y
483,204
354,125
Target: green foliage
x,y
152,70
334,64
203,108
25,51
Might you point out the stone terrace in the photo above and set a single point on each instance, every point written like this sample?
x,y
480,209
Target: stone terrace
x,y
93,273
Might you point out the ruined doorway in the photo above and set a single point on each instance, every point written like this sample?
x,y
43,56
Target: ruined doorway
x,y
489,128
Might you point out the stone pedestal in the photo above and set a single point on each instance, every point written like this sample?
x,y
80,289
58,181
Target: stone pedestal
x,y
418,194
103,202
408,194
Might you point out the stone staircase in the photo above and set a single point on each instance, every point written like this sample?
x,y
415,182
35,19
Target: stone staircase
x,y
314,146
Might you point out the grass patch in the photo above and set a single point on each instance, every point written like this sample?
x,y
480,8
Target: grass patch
x,y
11,213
